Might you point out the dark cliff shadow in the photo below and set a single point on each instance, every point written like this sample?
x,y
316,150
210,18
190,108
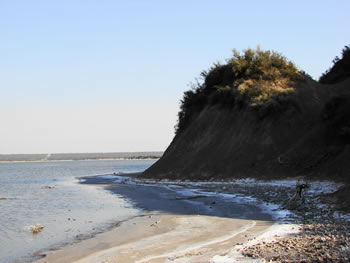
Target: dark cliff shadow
x,y
180,200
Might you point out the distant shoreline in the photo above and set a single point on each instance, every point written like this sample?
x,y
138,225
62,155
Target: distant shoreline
x,y
72,160
48,157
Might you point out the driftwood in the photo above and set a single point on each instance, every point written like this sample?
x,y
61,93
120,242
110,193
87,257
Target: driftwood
x,y
297,198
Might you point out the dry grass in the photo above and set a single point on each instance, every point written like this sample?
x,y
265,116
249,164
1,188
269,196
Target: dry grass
x,y
264,91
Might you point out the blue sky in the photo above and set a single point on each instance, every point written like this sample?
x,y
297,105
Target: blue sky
x,y
87,76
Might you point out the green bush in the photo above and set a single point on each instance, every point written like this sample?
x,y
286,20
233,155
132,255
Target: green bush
x,y
255,79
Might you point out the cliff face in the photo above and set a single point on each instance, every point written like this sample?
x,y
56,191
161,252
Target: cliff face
x,y
310,137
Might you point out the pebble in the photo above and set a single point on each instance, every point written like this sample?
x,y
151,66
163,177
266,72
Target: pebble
x,y
322,238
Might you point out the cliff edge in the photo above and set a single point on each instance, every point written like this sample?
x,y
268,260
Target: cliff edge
x,y
258,116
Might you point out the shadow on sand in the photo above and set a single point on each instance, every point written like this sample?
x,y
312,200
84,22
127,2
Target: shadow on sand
x,y
171,199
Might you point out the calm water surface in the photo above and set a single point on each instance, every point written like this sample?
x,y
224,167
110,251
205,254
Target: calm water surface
x,y
68,211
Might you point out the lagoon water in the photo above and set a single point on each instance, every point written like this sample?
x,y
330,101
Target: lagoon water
x,y
48,193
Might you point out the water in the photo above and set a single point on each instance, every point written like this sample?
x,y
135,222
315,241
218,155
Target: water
x,y
47,193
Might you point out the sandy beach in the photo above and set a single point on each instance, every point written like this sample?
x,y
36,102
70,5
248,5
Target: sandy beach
x,y
164,238
216,222
176,226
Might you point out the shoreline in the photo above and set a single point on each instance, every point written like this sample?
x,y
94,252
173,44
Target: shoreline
x,y
222,233
162,238
72,160
178,234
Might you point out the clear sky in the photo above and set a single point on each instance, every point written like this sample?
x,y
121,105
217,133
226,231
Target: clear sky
x,y
107,76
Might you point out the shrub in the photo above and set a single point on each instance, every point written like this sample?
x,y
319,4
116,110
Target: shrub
x,y
255,78
340,69
262,92
193,102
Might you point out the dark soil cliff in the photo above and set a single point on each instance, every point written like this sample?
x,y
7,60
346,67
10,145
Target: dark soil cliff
x,y
308,134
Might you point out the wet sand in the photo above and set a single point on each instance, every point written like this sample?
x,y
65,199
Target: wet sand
x,y
173,227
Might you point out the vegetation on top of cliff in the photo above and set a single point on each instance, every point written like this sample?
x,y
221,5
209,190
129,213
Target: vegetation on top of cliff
x,y
258,79
340,70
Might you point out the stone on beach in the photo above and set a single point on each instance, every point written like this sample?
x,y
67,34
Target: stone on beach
x,y
36,229
48,187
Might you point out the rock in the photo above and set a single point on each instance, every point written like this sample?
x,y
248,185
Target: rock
x,y
36,229
48,187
